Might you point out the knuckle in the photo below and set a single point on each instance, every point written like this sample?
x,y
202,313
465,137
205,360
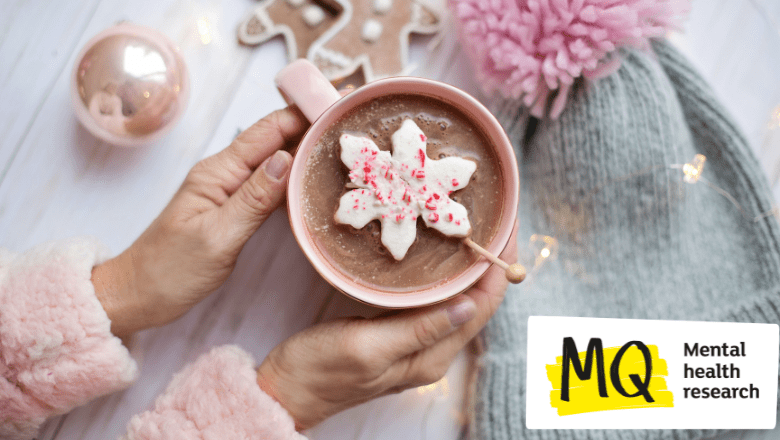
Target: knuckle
x,y
275,118
425,331
433,373
200,173
257,196
199,168
271,124
360,355
425,371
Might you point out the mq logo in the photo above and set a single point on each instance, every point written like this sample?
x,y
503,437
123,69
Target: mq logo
x,y
637,378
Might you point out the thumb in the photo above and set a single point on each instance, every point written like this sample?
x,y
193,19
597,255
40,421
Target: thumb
x,y
409,332
259,195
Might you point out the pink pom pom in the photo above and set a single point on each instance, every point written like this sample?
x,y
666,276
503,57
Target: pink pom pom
x,y
531,48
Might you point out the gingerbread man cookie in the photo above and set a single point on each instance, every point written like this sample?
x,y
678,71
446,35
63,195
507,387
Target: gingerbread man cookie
x,y
375,36
345,35
301,22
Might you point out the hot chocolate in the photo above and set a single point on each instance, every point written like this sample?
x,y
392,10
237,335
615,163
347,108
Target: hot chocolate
x,y
432,257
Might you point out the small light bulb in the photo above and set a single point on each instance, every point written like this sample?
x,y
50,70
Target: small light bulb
x,y
774,119
693,169
204,29
543,247
426,388
442,384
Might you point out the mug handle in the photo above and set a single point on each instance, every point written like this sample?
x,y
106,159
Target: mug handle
x,y
302,83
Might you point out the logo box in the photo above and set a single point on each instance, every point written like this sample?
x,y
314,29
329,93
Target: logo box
x,y
647,374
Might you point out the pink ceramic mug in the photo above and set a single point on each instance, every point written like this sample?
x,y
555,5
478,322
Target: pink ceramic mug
x,y
303,84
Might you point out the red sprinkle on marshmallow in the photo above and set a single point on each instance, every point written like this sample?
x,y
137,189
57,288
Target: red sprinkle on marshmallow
x,y
434,217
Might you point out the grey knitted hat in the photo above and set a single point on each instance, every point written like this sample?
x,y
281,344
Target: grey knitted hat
x,y
635,241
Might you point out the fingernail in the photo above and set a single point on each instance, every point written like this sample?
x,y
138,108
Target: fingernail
x,y
461,313
277,166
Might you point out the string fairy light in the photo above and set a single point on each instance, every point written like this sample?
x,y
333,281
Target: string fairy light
x,y
442,385
692,172
774,119
693,169
544,248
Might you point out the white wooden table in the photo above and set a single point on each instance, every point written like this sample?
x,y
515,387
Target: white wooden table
x,y
56,181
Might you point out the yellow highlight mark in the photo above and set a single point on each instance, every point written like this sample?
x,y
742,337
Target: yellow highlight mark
x,y
584,395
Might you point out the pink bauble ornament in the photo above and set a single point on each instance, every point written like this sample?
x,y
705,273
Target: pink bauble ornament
x,y
129,85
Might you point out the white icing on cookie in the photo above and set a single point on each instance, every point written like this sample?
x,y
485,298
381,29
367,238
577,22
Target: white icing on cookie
x,y
399,188
382,6
333,57
313,15
295,3
372,30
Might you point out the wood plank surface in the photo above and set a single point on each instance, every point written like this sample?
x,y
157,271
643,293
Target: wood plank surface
x,y
56,180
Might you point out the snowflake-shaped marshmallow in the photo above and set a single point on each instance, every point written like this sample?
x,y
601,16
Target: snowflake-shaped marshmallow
x,y
399,188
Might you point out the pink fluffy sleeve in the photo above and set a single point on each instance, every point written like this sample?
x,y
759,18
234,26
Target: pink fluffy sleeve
x,y
215,398
56,347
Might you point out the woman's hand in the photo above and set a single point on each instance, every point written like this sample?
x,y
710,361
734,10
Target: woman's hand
x,y
192,247
336,365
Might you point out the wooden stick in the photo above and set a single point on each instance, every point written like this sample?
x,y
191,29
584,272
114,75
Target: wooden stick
x,y
515,273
